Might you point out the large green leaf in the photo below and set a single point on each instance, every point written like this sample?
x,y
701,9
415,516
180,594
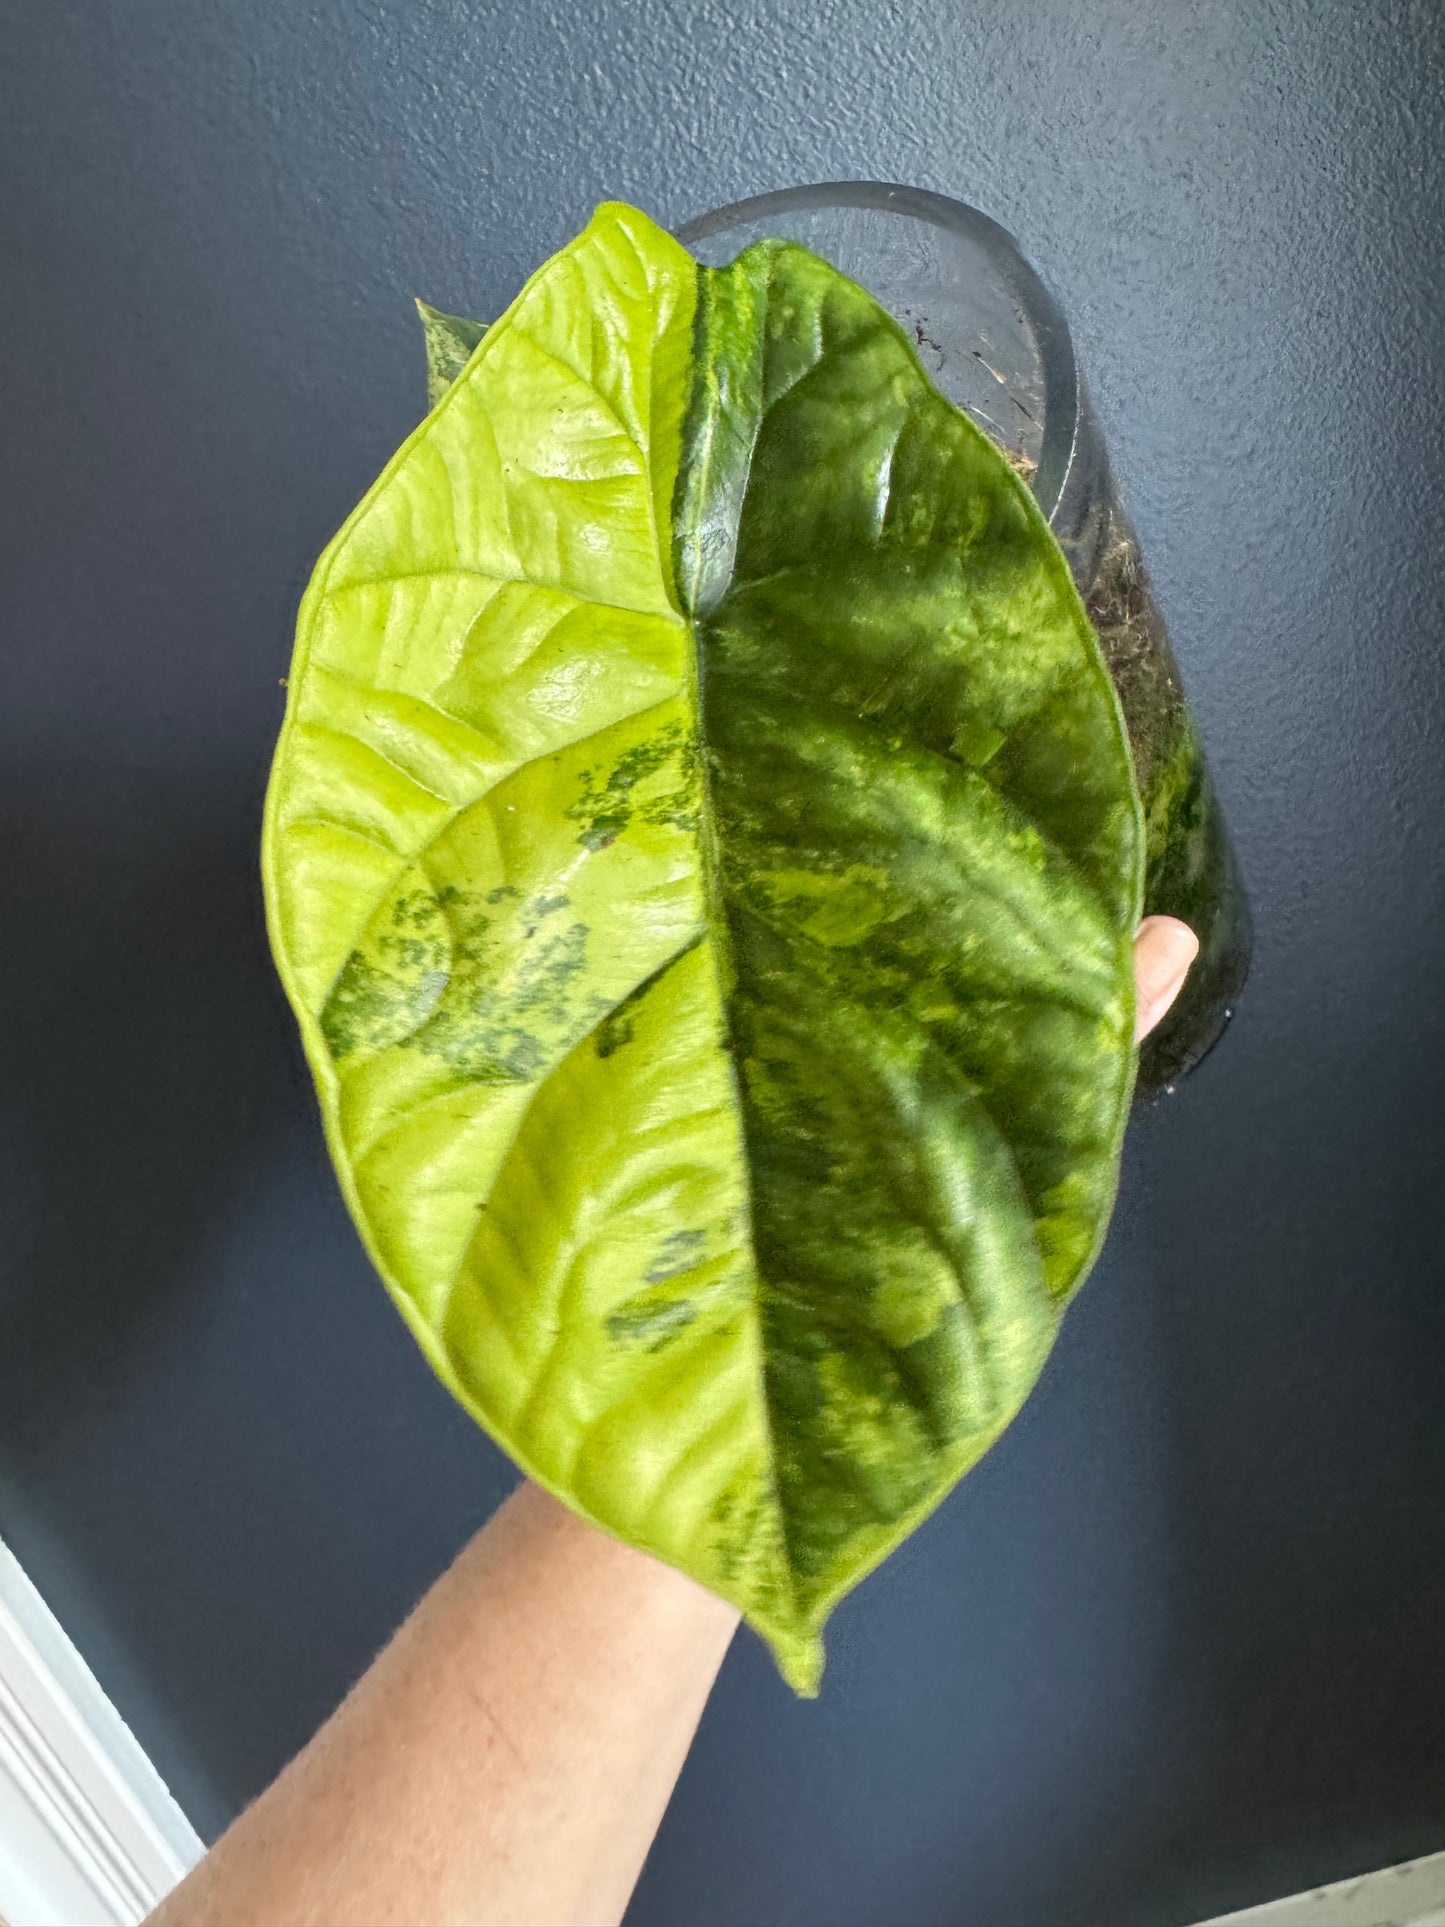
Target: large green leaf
x,y
703,855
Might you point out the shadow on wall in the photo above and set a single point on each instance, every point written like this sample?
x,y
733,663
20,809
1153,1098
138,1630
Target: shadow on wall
x,y
138,1066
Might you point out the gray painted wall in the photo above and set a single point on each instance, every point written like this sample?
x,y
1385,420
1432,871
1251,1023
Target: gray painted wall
x,y
1177,1645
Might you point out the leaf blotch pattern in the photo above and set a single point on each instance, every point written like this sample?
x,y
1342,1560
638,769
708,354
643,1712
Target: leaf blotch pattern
x,y
703,854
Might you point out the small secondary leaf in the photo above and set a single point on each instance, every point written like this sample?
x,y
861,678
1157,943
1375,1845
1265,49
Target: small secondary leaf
x,y
703,856
449,340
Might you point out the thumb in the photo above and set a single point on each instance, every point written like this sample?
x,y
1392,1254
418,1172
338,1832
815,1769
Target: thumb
x,y
1164,948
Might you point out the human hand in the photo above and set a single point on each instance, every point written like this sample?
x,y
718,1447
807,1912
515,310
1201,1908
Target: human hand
x,y
1164,948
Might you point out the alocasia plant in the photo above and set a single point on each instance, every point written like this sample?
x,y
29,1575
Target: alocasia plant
x,y
703,855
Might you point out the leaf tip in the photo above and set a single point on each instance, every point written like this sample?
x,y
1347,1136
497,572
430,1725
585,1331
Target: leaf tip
x,y
799,1658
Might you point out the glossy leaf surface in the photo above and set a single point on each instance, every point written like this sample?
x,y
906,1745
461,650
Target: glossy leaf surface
x,y
703,856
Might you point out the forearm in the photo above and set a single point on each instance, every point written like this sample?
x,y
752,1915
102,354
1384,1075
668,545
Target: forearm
x,y
505,1761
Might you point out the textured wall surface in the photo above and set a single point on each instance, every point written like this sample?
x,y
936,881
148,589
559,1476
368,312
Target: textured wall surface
x,y
1180,1643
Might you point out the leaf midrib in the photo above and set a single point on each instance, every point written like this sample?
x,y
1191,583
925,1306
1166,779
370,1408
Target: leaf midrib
x,y
720,953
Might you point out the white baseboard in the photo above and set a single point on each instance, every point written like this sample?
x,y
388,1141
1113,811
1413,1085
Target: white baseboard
x,y
1409,1896
89,1835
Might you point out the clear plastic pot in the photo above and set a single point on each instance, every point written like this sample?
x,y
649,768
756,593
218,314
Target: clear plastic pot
x,y
994,341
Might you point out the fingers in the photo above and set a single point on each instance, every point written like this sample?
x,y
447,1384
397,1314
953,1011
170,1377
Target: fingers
x,y
1163,951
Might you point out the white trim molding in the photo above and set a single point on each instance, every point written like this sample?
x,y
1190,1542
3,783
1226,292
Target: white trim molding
x,y
1412,1895
89,1835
